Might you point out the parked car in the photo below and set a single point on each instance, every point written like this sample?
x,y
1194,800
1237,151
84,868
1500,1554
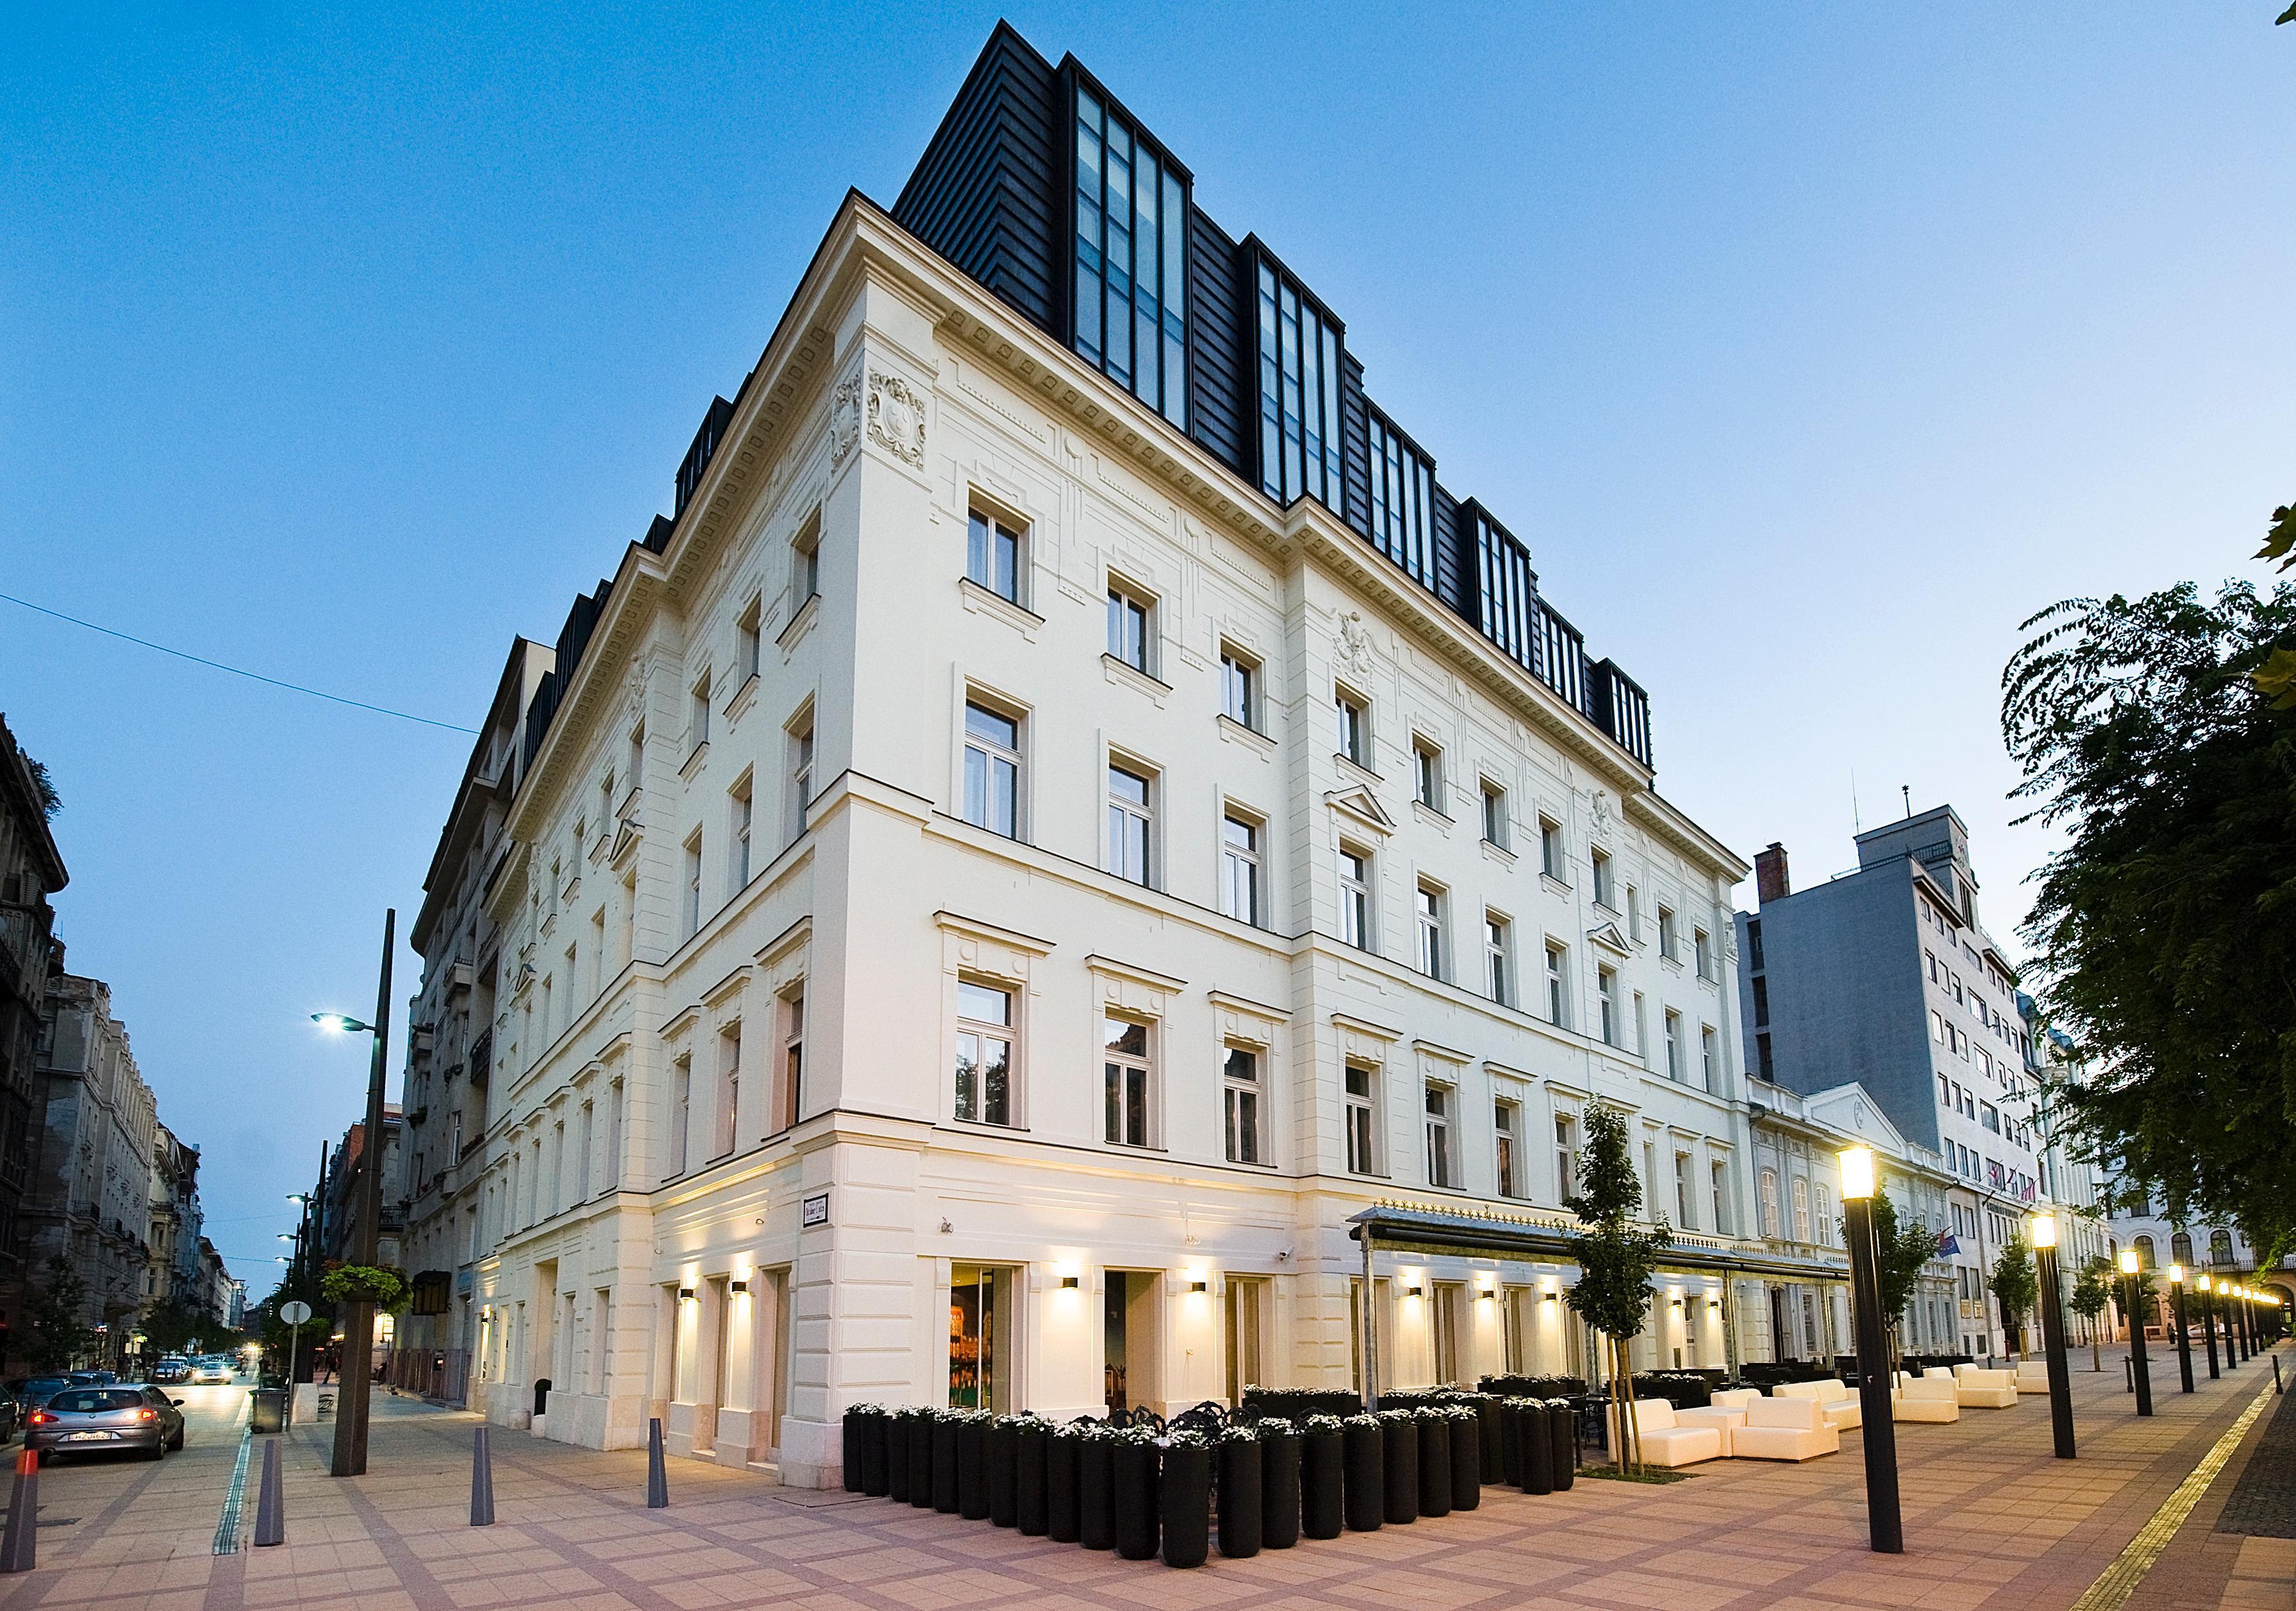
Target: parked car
x,y
12,1415
211,1373
32,1392
86,1420
171,1368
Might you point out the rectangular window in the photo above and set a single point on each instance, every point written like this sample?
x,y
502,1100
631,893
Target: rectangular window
x,y
1762,993
992,770
1130,302
1239,1092
693,891
1299,368
1240,869
1127,627
1720,1177
1497,961
1239,689
1129,820
1558,991
1353,729
1642,1028
1605,896
1754,943
1550,850
1354,898
1493,816
1633,914
992,557
1402,501
697,719
1606,997
681,1112
1566,1157
1124,1062
746,638
793,1090
1709,1056
805,563
729,1090
1683,1219
1438,1136
984,1053
1430,931
744,817
1361,1117
801,771
1665,933
1673,1069
1505,1118
1427,774
1702,951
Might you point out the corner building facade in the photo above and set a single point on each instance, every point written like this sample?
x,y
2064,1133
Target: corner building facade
x,y
1037,842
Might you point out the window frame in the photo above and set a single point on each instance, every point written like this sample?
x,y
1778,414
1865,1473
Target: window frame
x,y
1558,983
983,1032
1251,857
1506,1146
1359,1120
1352,739
1131,605
1359,898
1553,854
1427,774
986,538
1241,676
993,752
1498,958
1429,921
1139,818
1495,815
1120,1071
1247,1093
1439,1121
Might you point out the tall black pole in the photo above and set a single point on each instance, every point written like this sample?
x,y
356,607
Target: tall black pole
x,y
2247,1331
1880,1431
2052,1339
358,1324
2208,1327
2184,1343
2141,1371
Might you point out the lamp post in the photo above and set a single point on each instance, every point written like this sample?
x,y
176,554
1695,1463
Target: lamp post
x,y
1881,1432
358,1324
2140,1373
2043,1233
2247,1325
2232,1338
2207,1284
2184,1344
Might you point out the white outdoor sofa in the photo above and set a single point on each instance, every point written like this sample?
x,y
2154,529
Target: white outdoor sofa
x,y
1833,1395
1784,1428
1925,1398
2033,1376
1978,1388
1666,1439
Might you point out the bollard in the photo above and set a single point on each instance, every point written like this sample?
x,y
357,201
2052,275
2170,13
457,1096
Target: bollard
x,y
270,1505
2275,1373
17,1548
656,1472
482,1480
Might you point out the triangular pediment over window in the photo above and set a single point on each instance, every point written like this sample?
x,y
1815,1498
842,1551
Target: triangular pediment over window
x,y
1607,935
1359,803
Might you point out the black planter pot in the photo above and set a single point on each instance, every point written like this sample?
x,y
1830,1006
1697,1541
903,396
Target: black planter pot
x,y
1322,1484
1365,1467
1491,1432
897,1457
1511,1421
1032,1449
948,1492
1466,1464
1096,1494
1279,1486
1004,1475
1243,1500
1537,1474
1064,1463
1562,1445
872,1454
921,1462
1134,1494
1184,1497
851,1428
1434,1466
1399,1452
972,1470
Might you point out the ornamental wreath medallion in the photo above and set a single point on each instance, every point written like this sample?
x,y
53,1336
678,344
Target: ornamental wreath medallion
x,y
896,419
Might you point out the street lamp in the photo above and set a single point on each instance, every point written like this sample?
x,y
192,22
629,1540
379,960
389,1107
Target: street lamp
x,y
1880,1433
2207,1284
2140,1374
351,1402
2043,1234
2177,1307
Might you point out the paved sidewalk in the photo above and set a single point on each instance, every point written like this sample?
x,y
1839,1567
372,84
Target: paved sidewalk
x,y
1992,1522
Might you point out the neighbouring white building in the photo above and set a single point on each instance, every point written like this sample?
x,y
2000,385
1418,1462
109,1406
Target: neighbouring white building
x,y
1068,813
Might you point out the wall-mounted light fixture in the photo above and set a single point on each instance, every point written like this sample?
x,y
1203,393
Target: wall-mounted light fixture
x,y
1675,1303
685,1295
738,1288
1068,1283
1199,1286
1414,1290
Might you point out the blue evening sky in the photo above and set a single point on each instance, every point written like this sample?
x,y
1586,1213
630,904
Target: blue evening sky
x,y
1811,348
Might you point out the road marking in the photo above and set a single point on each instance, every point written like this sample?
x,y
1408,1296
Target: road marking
x,y
227,1534
2113,1587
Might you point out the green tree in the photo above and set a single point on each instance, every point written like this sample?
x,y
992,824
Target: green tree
x,y
1615,1257
1903,1251
2015,1287
2092,1291
264,1323
2164,931
61,1335
174,1328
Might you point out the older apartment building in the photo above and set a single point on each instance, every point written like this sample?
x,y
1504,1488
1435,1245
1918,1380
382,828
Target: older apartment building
x,y
1069,812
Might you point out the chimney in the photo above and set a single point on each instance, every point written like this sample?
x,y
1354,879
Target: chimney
x,y
1770,881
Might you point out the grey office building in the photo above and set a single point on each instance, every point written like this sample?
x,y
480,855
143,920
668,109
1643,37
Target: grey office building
x,y
1886,976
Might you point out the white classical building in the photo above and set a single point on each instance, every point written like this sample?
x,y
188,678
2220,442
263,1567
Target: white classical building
x,y
1023,858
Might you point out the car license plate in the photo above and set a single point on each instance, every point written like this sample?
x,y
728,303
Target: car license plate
x,y
87,1438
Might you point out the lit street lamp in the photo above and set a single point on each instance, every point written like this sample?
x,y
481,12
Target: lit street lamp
x,y
1881,1432
351,1402
2140,1374
2043,1238
2207,1284
2177,1307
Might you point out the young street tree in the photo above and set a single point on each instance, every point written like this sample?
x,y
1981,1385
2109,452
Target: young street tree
x,y
2016,1289
2157,733
2092,1291
1615,1257
1903,1252
60,1338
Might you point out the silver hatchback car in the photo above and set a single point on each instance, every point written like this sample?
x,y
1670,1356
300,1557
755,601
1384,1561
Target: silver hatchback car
x,y
89,1420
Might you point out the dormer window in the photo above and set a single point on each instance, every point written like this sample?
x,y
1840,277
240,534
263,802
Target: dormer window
x,y
1131,311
